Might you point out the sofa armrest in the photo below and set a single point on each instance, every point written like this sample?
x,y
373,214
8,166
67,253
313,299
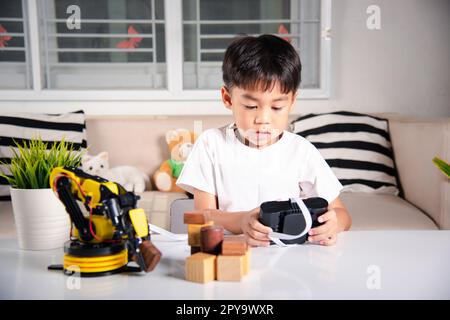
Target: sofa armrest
x,y
415,142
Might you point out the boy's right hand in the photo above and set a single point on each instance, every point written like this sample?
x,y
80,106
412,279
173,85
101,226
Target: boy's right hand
x,y
256,233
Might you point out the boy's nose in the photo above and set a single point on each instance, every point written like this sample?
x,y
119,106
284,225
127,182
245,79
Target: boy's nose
x,y
262,117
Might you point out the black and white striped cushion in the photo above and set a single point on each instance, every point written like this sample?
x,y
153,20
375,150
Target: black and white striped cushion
x,y
356,146
22,127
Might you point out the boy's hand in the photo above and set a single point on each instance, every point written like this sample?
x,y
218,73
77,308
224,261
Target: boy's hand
x,y
256,233
326,234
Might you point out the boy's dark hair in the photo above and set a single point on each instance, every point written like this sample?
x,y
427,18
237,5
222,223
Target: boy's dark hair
x,y
261,62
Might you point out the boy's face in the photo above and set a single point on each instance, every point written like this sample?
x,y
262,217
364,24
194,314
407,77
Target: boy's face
x,y
260,116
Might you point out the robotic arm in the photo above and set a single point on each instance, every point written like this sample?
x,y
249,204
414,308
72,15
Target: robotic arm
x,y
113,222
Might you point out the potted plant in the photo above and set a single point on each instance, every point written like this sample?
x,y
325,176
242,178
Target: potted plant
x,y
442,165
40,217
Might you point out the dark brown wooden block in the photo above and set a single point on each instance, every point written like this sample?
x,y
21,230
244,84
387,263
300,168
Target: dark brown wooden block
x,y
211,238
194,233
151,255
194,250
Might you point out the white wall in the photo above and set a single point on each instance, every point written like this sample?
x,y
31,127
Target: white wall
x,y
402,68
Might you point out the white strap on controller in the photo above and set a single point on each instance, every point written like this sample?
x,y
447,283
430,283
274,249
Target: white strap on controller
x,y
168,234
276,237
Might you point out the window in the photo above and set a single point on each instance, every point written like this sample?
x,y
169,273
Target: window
x,y
209,26
148,50
119,44
15,72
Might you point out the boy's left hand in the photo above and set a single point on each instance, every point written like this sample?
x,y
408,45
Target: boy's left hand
x,y
325,234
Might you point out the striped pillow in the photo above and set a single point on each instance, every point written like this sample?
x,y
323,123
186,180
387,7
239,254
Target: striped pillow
x,y
51,128
356,146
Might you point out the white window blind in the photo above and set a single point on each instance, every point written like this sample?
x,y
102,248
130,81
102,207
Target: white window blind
x,y
120,45
209,26
15,71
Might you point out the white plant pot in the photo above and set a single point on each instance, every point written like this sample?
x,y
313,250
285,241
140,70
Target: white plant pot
x,y
42,222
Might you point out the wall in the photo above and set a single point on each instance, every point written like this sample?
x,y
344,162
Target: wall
x,y
402,68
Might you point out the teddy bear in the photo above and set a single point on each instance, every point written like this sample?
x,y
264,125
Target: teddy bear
x,y
180,143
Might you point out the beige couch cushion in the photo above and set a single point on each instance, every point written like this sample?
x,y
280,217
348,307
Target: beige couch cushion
x,y
140,140
416,142
384,212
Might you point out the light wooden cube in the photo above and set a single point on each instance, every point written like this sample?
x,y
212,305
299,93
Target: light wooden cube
x,y
201,267
194,233
247,257
230,268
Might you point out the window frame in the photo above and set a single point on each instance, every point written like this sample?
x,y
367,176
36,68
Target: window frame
x,y
26,65
174,67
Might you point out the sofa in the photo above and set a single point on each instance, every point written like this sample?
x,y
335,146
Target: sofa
x,y
140,141
425,201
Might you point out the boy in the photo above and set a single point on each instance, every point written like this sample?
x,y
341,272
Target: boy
x,y
233,169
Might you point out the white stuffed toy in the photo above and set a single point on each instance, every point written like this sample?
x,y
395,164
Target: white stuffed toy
x,y
131,178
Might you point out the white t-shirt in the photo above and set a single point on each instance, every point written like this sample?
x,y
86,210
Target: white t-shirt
x,y
243,177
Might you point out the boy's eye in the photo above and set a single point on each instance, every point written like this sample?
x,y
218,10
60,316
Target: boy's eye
x,y
250,107
277,108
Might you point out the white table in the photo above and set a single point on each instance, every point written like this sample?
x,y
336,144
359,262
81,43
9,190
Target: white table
x,y
363,265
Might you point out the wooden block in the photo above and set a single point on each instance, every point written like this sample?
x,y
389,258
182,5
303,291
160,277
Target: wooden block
x,y
150,254
201,267
247,261
234,245
230,268
194,217
194,233
195,250
211,238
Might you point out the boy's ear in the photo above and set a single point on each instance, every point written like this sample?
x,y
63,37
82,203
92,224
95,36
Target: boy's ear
x,y
294,99
226,97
